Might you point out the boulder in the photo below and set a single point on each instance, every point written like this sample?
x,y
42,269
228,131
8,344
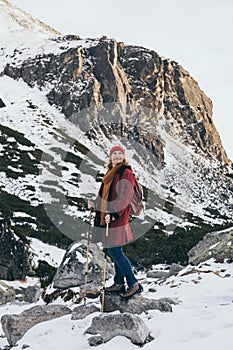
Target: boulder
x,y
110,326
71,272
218,245
137,304
15,326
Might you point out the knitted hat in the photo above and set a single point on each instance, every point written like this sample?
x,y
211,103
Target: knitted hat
x,y
116,148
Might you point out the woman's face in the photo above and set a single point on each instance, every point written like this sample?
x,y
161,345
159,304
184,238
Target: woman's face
x,y
117,157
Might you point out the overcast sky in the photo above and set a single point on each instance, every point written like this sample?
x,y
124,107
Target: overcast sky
x,y
196,33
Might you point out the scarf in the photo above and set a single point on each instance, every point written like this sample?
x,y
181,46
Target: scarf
x,y
107,181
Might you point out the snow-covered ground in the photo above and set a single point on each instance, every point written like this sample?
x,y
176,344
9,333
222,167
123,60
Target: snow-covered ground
x,y
202,320
42,251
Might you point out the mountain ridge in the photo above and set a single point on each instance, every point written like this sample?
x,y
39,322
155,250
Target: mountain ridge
x,y
18,18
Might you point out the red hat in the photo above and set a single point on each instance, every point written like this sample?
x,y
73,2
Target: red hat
x,y
116,148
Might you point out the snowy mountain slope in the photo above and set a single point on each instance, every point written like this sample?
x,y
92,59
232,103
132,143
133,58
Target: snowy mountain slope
x,y
48,132
28,112
15,20
23,37
45,252
50,166
45,127
18,26
202,319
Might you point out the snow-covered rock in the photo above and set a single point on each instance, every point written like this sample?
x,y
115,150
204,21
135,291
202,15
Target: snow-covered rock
x,y
15,326
109,326
218,245
71,272
137,304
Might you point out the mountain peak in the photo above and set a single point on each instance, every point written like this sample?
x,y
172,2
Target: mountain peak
x,y
16,23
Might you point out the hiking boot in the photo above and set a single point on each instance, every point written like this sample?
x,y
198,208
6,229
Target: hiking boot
x,y
136,288
115,289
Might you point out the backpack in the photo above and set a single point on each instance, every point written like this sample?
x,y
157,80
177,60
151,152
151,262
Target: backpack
x,y
136,204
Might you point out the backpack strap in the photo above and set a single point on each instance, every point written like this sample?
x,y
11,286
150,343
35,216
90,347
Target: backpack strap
x,y
122,169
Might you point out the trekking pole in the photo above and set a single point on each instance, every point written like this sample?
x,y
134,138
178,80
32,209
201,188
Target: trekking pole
x,y
87,252
105,268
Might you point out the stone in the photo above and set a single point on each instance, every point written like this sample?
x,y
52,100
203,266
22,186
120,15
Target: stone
x,y
82,311
71,272
7,293
27,291
29,294
106,327
137,304
16,325
157,274
218,245
175,269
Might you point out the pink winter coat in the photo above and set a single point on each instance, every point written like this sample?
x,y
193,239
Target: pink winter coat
x,y
119,198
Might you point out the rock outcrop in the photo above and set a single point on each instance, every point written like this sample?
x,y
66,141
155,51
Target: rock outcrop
x,y
218,245
130,84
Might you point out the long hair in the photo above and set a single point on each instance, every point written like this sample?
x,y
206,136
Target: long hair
x,y
108,165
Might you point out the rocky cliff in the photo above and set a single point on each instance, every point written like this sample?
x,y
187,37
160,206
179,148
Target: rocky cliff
x,y
134,83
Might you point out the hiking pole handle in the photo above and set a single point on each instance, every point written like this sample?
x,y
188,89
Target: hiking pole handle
x,y
107,227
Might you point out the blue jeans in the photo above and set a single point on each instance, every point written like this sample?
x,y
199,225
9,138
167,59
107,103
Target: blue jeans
x,y
122,266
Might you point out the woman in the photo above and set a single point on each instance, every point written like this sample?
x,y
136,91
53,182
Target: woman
x,y
112,208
